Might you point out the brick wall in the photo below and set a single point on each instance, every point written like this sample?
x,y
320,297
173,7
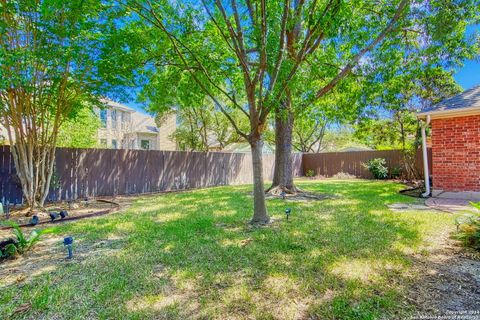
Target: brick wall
x,y
456,153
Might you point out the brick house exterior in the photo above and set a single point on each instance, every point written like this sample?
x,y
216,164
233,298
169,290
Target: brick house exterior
x,y
455,136
456,153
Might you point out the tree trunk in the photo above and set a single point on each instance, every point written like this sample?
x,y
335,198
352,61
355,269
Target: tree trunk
x,y
260,215
34,167
283,171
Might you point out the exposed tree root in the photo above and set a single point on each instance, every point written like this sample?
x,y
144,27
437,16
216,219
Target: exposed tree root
x,y
292,193
256,223
278,190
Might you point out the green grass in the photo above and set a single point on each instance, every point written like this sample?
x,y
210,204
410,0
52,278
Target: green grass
x,y
178,256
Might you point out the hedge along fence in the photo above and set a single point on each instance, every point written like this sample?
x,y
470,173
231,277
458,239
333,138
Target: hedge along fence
x,y
81,173
329,164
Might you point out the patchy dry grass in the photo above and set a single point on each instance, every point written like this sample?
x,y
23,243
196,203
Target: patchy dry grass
x,y
192,255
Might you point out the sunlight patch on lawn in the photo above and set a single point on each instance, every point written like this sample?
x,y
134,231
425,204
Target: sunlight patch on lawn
x,y
230,243
363,270
126,226
167,217
153,302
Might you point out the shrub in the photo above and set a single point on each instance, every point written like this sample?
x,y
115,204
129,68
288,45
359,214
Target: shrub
x,y
395,172
310,173
21,243
377,167
468,227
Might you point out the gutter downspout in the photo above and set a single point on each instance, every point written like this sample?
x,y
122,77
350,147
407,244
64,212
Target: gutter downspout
x,y
425,158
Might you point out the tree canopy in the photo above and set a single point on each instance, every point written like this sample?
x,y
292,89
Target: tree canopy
x,y
252,56
49,56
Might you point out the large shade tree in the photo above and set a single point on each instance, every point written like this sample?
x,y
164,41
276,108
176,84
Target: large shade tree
x,y
392,123
48,59
430,36
235,53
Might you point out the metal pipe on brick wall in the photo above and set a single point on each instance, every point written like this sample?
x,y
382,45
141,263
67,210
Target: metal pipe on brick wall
x,y
425,158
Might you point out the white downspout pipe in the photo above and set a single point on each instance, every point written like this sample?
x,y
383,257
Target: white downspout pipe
x,y
425,158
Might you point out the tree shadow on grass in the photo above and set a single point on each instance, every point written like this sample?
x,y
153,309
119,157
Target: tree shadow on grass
x,y
192,255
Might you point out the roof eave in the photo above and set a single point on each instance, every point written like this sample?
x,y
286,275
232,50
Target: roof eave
x,y
450,113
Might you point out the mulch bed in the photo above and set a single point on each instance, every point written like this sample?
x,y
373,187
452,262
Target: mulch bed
x,y
76,210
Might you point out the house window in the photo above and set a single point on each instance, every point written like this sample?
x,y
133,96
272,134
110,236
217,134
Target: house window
x,y
125,116
114,144
145,144
103,117
103,143
114,119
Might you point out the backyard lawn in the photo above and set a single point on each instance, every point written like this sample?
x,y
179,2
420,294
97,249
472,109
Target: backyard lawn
x,y
193,255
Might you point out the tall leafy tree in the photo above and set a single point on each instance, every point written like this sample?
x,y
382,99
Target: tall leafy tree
x,y
256,57
202,128
391,123
430,35
80,131
48,59
235,53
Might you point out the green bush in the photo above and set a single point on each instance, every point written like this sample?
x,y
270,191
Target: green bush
x,y
377,167
310,173
21,243
468,227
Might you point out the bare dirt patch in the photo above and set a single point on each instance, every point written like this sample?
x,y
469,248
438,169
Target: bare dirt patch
x,y
48,254
448,281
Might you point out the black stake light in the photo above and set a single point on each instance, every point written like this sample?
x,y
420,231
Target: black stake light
x,y
33,221
288,211
53,216
63,214
68,242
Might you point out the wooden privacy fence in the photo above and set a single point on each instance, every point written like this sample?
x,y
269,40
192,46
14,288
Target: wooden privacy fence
x,y
81,173
329,164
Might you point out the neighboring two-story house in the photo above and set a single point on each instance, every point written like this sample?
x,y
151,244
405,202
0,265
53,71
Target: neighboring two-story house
x,y
125,128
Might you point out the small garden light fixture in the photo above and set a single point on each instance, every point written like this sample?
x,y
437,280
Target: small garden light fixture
x,y
53,216
283,195
33,221
68,242
63,214
288,211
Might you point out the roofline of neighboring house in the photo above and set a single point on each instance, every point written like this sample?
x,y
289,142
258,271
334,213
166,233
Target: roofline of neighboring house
x,y
113,104
450,113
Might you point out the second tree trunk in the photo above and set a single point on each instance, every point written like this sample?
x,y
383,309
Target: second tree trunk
x,y
283,171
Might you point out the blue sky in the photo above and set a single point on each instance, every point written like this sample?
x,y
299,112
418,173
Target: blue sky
x,y
469,75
